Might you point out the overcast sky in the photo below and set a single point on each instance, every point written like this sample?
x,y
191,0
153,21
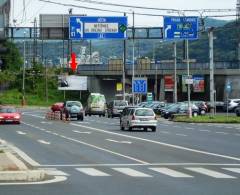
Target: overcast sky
x,y
36,7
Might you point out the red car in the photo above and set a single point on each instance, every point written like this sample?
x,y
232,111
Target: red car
x,y
57,106
9,114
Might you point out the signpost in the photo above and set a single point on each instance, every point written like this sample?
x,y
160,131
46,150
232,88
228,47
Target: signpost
x,y
139,86
182,28
228,90
85,27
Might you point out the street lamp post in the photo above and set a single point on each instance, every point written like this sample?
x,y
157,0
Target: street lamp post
x,y
133,56
23,76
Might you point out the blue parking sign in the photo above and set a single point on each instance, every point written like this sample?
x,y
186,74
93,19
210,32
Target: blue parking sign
x,y
139,85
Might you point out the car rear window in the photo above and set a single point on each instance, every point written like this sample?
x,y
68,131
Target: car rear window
x,y
120,103
144,112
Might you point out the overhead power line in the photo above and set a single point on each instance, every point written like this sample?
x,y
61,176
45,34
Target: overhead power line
x,y
201,11
154,8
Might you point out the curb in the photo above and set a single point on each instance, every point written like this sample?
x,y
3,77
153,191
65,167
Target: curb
x,y
27,176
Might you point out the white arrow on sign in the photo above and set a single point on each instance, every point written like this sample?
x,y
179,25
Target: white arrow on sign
x,y
169,27
121,142
78,20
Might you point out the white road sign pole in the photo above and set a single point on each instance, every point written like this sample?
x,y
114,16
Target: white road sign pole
x,y
188,85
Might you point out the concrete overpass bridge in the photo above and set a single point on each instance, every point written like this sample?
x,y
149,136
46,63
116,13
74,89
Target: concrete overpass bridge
x,y
104,77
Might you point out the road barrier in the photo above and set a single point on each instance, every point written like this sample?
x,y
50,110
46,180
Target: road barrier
x,y
56,116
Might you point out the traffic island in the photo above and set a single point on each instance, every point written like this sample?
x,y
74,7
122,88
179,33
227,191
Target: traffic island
x,y
207,119
13,169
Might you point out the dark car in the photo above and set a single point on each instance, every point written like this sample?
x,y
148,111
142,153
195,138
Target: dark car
x,y
57,106
73,109
181,108
237,110
114,108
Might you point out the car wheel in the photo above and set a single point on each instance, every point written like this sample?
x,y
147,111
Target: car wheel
x,y
145,128
80,118
129,128
153,129
195,114
203,112
122,127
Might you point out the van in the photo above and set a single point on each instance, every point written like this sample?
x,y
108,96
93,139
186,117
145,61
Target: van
x,y
96,105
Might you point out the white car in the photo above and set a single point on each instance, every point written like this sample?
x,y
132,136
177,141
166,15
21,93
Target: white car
x,y
231,104
139,118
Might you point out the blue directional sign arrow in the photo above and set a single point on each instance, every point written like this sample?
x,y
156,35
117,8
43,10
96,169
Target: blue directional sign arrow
x,y
84,27
180,27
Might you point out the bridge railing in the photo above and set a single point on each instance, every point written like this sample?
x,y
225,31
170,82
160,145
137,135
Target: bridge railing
x,y
152,66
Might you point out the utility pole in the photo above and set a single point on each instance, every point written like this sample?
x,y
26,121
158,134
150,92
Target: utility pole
x,y
34,42
123,67
175,72
133,56
155,85
24,64
46,80
211,67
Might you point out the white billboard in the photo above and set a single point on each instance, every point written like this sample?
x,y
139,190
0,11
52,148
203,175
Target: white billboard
x,y
72,82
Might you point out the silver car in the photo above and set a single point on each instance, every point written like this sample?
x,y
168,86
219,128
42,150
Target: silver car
x,y
139,118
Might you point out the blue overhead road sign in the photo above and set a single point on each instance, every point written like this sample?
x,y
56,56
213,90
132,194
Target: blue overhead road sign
x,y
139,85
85,27
180,27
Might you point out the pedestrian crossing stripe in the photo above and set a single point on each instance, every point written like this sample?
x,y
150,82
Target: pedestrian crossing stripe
x,y
163,170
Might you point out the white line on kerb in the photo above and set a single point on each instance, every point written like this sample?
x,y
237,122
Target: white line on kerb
x,y
161,143
55,180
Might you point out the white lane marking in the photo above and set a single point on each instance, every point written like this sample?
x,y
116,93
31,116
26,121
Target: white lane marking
x,y
179,134
24,156
92,172
21,133
235,170
121,142
34,115
99,148
223,133
135,164
229,127
83,122
204,130
44,122
55,180
165,132
210,173
82,132
160,143
131,172
176,126
170,172
190,128
43,142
